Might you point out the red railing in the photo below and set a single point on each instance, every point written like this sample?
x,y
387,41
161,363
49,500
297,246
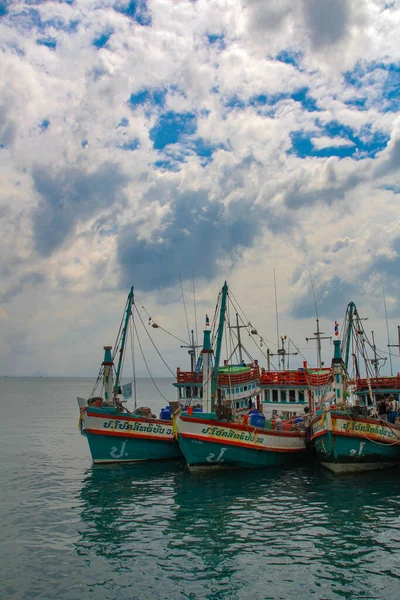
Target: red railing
x,y
283,378
230,379
227,379
379,383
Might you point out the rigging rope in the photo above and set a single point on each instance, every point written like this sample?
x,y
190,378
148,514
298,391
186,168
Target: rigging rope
x,y
184,306
155,347
147,366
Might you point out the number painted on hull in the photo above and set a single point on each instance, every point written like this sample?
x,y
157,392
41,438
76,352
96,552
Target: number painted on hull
x,y
122,452
211,457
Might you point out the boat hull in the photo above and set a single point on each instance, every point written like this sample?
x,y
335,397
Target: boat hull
x,y
346,444
206,443
117,437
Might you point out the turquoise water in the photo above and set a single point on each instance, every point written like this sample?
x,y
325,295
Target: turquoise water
x,y
69,530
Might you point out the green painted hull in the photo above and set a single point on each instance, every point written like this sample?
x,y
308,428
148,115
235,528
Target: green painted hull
x,y
207,454
107,449
344,454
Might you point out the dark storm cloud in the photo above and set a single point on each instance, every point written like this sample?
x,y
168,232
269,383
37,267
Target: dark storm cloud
x,y
197,236
68,196
332,298
326,22
33,279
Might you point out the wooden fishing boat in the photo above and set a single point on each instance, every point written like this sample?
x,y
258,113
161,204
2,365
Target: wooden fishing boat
x,y
226,426
351,437
113,432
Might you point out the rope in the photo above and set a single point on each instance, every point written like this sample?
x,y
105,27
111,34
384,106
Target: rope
x,y
133,364
195,316
156,349
184,306
147,367
159,326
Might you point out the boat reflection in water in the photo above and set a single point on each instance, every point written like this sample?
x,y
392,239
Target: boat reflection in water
x,y
168,533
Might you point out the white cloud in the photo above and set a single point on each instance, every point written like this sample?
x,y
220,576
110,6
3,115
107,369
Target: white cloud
x,y
327,142
61,112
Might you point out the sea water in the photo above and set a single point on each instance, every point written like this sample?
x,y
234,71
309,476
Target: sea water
x,y
157,531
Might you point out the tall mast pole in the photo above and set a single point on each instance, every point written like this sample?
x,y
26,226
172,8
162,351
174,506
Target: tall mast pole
x,y
276,311
239,340
374,361
219,341
387,330
122,348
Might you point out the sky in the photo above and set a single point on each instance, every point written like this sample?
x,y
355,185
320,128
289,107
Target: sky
x,y
150,142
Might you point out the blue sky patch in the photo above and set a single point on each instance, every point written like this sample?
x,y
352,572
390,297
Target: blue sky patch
x,y
136,10
148,96
392,188
44,125
171,127
3,8
268,100
130,145
48,42
383,78
289,57
102,40
366,144
84,143
123,123
167,165
218,40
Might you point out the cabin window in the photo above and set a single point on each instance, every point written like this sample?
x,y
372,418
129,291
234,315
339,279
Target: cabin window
x,y
237,390
283,395
292,395
245,388
275,396
241,389
237,404
301,396
266,395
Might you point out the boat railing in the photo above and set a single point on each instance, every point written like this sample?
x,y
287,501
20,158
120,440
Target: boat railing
x,y
378,383
283,378
224,379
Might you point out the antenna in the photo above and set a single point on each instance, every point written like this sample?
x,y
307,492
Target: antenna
x,y
276,311
318,335
387,330
195,312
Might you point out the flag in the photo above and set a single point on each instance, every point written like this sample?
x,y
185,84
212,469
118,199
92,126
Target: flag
x,y
207,321
127,390
336,328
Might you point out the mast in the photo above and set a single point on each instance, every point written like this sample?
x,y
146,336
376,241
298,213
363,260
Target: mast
x,y
239,340
337,368
107,364
351,310
219,341
318,335
122,348
206,354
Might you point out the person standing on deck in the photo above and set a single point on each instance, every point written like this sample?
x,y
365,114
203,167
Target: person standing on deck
x,y
382,409
393,409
